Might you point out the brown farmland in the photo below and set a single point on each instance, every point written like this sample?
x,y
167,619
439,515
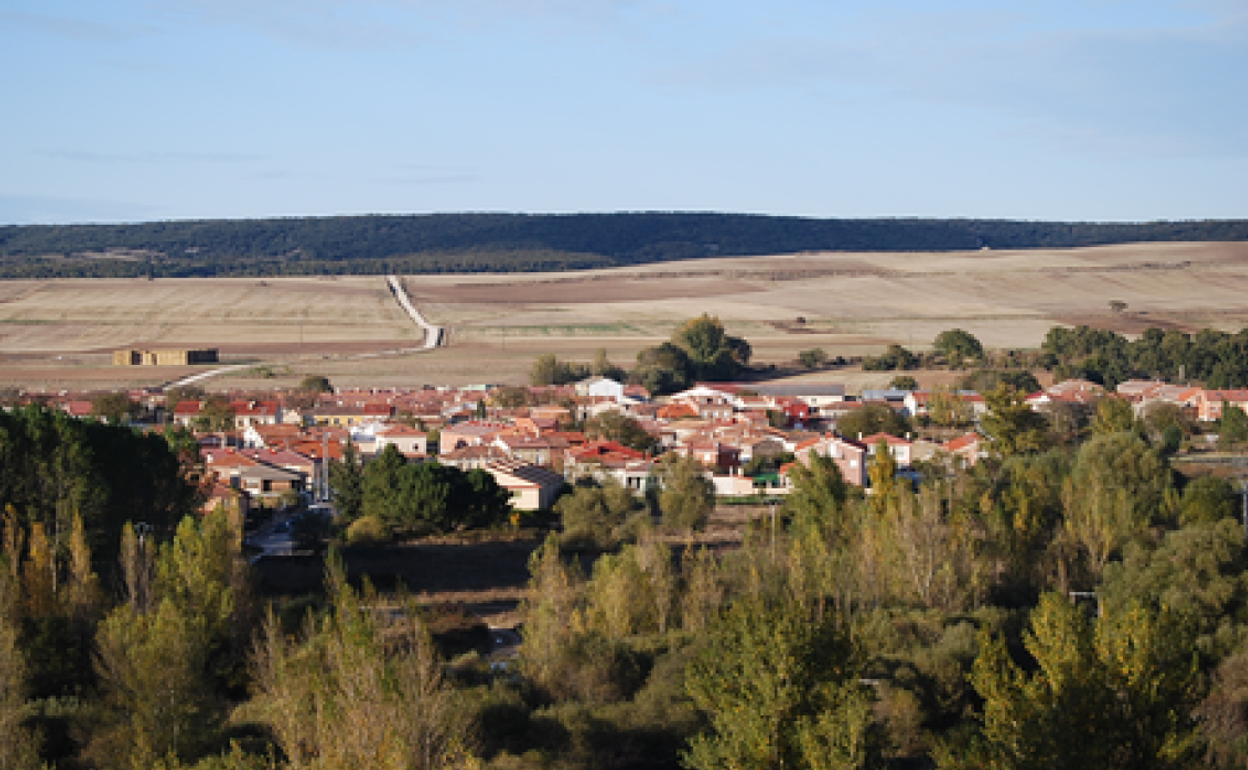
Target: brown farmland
x,y
58,334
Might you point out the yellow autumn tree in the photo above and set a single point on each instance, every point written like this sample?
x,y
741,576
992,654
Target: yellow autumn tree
x,y
18,747
1105,693
358,691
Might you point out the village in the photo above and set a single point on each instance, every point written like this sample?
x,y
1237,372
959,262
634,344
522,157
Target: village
x,y
270,450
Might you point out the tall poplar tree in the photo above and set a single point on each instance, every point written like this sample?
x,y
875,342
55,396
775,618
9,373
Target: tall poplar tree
x,y
1114,692
356,692
18,746
780,689
346,481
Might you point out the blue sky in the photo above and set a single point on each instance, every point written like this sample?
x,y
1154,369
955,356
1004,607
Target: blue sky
x,y
1097,110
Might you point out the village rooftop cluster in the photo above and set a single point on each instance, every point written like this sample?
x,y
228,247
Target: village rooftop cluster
x,y
271,449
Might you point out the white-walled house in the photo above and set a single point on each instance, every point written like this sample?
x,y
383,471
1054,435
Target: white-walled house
x,y
408,440
600,387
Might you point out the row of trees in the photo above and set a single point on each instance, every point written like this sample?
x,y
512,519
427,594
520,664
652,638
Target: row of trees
x,y
53,466
1218,359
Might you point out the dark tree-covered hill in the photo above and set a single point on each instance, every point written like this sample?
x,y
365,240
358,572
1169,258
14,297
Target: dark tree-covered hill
x,y
521,242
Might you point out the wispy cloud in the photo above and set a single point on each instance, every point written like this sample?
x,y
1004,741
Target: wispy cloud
x,y
368,24
1153,91
91,156
321,24
77,29
133,66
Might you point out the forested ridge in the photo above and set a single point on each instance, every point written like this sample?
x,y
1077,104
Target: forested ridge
x,y
471,242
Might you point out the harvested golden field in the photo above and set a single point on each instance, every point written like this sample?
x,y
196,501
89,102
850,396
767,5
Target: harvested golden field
x,y
847,304
62,333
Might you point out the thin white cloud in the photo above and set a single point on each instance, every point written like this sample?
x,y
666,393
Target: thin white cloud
x,y
91,156
1154,92
348,24
76,29
368,24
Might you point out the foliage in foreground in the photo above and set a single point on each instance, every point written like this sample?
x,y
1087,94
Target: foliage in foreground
x,y
355,691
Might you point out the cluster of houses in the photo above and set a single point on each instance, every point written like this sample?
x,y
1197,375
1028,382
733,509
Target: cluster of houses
x,y
275,451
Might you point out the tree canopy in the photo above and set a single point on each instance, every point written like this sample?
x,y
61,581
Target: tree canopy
x,y
52,465
871,419
428,496
957,345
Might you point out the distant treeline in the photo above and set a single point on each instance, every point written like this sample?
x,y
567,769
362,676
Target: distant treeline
x,y
520,242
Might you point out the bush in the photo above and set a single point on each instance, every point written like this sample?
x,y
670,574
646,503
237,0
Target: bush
x,y
368,530
1208,500
597,517
895,357
813,358
294,613
594,669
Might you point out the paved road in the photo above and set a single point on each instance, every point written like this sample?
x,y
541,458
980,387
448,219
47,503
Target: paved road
x,y
204,375
506,642
274,538
505,649
433,334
